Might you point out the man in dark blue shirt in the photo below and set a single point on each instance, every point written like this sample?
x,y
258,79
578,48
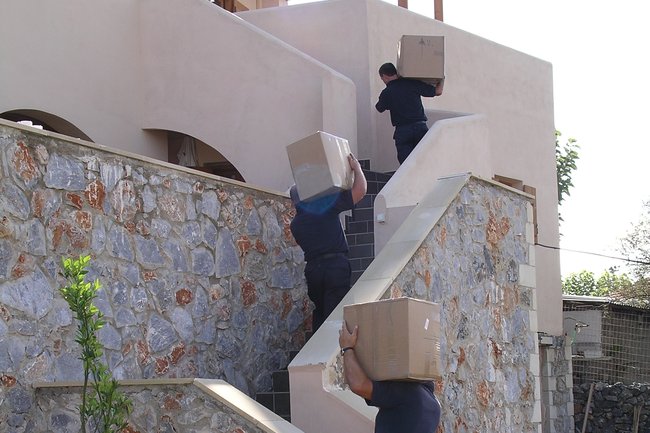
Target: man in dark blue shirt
x,y
402,97
404,406
317,230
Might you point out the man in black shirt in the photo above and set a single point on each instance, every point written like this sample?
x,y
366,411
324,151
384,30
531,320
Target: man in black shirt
x,y
404,406
317,229
402,97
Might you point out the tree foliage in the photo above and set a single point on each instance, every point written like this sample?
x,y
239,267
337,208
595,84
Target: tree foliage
x,y
103,408
584,283
636,247
566,157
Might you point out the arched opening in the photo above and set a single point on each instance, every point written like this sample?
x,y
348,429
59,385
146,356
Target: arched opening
x,y
48,122
193,153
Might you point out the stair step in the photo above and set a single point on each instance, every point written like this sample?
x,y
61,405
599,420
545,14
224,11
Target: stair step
x,y
361,241
361,238
355,227
277,402
363,214
362,251
281,381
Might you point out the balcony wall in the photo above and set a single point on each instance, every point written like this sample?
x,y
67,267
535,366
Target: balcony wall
x,y
200,275
513,92
123,72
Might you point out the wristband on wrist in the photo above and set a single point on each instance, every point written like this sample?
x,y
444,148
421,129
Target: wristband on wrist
x,y
345,349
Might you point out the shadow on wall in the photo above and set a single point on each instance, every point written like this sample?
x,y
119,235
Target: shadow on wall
x,y
46,121
182,149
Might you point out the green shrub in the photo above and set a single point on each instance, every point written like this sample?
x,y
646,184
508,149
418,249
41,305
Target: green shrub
x,y
103,407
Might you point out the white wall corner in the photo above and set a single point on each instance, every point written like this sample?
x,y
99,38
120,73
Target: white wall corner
x,y
537,412
534,327
534,365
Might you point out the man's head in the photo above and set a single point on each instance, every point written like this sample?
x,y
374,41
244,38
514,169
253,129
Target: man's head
x,y
387,72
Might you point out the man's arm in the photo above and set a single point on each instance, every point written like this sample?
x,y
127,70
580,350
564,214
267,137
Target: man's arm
x,y
355,377
439,87
382,104
359,186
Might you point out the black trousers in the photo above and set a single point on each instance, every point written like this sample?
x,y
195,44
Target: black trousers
x,y
407,137
328,281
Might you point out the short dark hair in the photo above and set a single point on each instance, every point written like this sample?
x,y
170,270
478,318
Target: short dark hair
x,y
293,193
387,69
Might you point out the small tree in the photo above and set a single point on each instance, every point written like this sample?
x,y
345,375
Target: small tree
x,y
103,407
636,246
566,156
582,283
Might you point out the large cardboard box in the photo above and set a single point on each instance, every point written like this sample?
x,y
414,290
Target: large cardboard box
x,y
421,57
320,166
399,338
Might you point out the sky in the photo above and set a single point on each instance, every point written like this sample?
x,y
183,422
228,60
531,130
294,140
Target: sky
x,y
601,96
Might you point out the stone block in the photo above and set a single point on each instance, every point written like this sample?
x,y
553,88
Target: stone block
x,y
531,255
530,233
538,388
527,276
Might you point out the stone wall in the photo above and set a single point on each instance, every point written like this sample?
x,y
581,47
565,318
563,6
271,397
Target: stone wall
x,y
556,384
613,407
179,406
477,263
200,275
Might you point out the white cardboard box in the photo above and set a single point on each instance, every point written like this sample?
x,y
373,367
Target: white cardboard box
x,y
399,338
320,166
421,57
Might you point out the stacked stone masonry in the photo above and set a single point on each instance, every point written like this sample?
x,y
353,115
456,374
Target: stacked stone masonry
x,y
556,386
613,408
476,262
200,276
156,408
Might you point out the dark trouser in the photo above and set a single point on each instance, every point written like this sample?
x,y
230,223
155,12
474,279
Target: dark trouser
x,y
407,137
328,280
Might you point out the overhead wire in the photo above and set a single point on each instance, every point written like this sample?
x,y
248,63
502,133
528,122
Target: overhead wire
x,y
635,261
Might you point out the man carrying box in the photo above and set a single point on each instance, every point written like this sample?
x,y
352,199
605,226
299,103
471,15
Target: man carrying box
x,y
402,97
404,406
317,229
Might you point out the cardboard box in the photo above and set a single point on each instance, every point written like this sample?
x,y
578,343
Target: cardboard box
x,y
320,165
398,339
421,57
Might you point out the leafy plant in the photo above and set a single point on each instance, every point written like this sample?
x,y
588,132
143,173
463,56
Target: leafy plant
x,y
584,283
566,156
103,407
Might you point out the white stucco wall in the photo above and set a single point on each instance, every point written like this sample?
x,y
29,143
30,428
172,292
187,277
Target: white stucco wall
x,y
512,90
121,71
77,60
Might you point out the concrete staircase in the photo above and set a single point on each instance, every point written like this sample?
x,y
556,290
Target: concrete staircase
x,y
359,231
359,227
277,399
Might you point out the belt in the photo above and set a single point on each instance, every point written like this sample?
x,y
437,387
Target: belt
x,y
329,256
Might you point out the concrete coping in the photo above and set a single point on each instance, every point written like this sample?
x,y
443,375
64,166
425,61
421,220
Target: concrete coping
x,y
219,390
